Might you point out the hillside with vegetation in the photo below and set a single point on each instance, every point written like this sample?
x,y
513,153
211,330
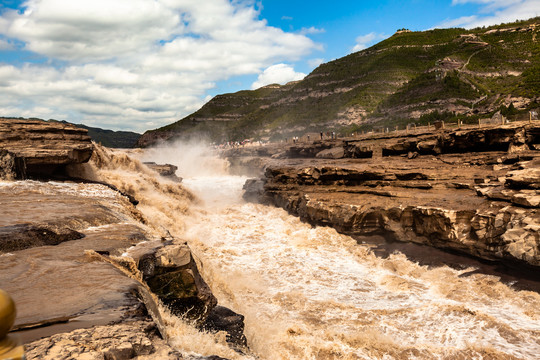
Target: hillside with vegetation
x,y
413,77
111,138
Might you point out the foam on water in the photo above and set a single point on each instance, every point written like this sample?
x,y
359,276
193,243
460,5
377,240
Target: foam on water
x,y
64,188
311,293
217,192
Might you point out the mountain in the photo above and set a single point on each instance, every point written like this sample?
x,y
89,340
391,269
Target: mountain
x,y
110,138
410,77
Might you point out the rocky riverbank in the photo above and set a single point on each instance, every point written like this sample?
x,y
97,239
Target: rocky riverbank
x,y
474,191
31,147
94,276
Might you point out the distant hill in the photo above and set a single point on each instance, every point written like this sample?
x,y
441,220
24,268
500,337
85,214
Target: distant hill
x,y
409,77
110,138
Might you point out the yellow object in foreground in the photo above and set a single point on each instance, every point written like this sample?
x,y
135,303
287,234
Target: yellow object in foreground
x,y
10,345
7,313
11,348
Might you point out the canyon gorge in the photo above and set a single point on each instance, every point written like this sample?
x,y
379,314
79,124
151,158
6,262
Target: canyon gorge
x,y
386,246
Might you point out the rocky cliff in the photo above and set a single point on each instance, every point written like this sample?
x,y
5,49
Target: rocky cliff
x,y
469,190
410,77
93,276
88,276
31,147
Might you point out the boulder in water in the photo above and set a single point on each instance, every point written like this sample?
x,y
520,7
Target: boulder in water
x,y
224,319
254,189
166,170
171,273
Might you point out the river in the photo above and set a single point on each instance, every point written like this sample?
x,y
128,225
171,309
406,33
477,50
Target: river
x,y
306,292
312,293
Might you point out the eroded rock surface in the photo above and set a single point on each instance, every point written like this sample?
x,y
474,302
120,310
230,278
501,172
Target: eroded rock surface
x,y
462,190
166,170
62,250
45,232
171,273
136,339
39,148
40,214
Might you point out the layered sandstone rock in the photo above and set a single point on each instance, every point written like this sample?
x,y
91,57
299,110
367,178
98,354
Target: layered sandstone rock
x,y
41,214
168,171
46,236
423,206
63,259
513,138
462,190
35,148
171,273
137,339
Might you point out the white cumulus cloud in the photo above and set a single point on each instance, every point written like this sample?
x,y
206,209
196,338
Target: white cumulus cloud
x,y
365,41
125,64
277,74
494,12
312,30
313,63
5,45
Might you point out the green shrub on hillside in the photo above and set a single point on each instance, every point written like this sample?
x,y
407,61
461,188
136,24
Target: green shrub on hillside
x,y
408,74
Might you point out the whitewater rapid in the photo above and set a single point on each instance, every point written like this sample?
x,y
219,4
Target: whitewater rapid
x,y
311,293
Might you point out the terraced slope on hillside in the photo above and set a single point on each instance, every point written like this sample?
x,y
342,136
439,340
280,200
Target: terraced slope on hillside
x,y
409,77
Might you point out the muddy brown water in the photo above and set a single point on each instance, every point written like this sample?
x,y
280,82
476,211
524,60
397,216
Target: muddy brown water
x,y
312,293
309,292
518,276
57,288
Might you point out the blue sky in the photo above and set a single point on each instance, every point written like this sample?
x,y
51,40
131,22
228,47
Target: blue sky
x,y
337,24
344,21
142,64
